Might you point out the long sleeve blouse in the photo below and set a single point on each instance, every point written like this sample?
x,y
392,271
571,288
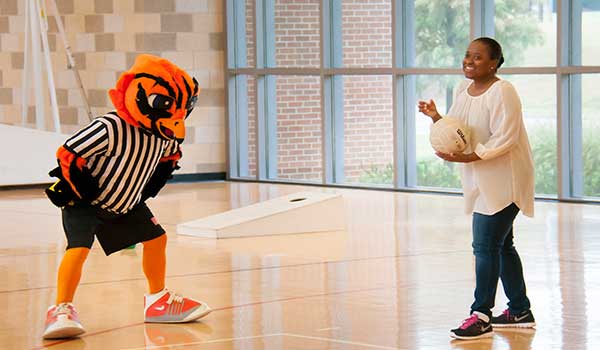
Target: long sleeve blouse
x,y
505,173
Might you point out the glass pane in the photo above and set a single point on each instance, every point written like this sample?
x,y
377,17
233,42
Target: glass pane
x,y
250,26
527,32
367,33
538,97
591,129
431,170
297,33
299,136
442,32
590,32
368,130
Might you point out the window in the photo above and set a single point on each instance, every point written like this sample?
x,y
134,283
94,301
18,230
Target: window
x,y
297,33
326,90
299,137
367,33
527,32
368,130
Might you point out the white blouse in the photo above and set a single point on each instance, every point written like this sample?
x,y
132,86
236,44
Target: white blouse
x,y
505,172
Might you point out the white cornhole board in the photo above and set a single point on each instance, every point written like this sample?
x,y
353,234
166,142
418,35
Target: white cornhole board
x,y
300,212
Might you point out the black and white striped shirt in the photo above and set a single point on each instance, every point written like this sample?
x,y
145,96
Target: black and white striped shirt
x,y
121,157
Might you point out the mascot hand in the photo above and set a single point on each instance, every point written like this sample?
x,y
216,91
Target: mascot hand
x,y
84,182
162,173
60,193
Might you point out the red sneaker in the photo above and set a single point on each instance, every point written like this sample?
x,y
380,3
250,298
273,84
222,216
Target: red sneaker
x,y
62,321
168,307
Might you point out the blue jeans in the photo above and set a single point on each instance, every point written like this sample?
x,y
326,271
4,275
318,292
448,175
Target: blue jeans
x,y
496,257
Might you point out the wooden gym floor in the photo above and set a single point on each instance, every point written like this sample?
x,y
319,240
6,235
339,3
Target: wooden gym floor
x,y
399,277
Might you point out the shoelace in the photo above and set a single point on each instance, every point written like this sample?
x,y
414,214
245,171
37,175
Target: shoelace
x,y
506,314
62,309
468,322
174,297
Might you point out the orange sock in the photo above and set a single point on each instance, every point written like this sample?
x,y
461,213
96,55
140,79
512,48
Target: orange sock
x,y
154,262
69,273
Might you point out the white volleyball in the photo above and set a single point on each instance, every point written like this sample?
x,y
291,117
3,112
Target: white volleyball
x,y
449,135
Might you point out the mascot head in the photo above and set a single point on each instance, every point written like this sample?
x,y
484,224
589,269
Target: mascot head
x,y
156,95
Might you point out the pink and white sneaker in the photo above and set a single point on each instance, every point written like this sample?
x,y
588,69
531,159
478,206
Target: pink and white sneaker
x,y
168,307
62,321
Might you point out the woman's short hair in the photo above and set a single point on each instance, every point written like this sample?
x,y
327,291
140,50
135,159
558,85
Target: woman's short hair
x,y
494,48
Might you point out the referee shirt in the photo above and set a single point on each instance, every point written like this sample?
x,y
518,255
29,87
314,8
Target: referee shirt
x,y
121,157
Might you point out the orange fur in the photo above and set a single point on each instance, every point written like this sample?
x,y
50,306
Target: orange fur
x,y
65,159
154,75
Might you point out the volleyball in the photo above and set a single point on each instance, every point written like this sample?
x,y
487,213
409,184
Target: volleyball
x,y
449,135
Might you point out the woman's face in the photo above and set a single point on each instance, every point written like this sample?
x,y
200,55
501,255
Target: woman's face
x,y
477,64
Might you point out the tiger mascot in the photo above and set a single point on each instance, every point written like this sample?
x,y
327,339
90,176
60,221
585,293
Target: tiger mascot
x,y
106,171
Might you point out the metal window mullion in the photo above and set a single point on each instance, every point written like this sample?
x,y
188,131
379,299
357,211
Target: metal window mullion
x,y
575,95
232,129
232,144
481,13
324,44
405,171
261,128
409,70
398,165
271,139
266,102
326,143
237,93
332,92
260,115
563,101
271,127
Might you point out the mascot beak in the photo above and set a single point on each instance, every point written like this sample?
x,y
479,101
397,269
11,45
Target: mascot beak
x,y
173,128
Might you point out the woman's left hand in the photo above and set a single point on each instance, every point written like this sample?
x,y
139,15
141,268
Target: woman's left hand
x,y
458,157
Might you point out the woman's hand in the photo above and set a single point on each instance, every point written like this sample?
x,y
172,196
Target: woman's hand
x,y
430,110
458,157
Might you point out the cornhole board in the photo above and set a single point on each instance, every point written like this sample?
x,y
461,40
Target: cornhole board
x,y
301,212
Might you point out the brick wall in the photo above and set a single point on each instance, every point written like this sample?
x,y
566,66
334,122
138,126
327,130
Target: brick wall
x,y
299,128
368,140
105,37
297,33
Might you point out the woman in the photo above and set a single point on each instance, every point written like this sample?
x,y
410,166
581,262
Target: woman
x,y
498,182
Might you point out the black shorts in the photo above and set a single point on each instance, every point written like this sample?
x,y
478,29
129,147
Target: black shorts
x,y
82,222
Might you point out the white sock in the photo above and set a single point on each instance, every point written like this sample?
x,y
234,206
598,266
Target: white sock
x,y
482,316
152,298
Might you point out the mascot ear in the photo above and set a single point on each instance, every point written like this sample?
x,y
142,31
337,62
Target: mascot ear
x,y
117,96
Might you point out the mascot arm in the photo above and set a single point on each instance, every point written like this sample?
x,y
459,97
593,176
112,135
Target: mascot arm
x,y
74,183
163,172
75,180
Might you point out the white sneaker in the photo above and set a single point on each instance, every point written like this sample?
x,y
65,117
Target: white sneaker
x,y
62,321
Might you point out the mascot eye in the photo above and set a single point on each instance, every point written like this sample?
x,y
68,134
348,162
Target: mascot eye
x,y
190,105
160,101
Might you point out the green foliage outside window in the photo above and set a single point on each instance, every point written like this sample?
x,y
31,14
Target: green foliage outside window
x,y
436,173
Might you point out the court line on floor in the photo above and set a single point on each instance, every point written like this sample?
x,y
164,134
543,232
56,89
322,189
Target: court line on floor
x,y
259,268
361,290
340,341
212,341
222,340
